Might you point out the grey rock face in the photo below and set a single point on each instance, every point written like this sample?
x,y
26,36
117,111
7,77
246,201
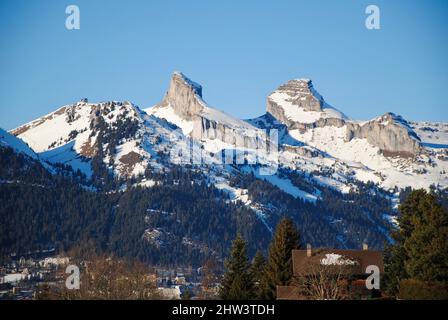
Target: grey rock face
x,y
204,128
184,96
302,151
277,112
302,94
320,123
391,133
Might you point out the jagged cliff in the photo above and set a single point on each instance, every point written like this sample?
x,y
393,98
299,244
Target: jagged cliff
x,y
184,96
313,137
298,105
199,121
391,133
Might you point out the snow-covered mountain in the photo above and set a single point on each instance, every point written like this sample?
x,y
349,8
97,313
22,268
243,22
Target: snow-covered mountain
x,y
305,146
314,137
183,106
386,150
124,138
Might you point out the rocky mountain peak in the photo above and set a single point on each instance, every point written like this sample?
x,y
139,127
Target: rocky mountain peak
x,y
390,132
301,93
184,96
184,80
298,105
390,118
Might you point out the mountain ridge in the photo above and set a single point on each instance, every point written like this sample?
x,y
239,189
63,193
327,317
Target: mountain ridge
x,y
341,188
390,141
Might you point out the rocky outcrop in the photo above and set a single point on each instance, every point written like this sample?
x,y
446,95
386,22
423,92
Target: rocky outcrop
x,y
302,94
298,93
278,112
390,133
184,96
295,105
204,128
299,106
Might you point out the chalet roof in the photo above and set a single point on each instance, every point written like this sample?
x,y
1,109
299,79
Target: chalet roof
x,y
362,258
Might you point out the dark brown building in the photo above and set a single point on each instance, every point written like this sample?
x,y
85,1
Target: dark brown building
x,y
331,274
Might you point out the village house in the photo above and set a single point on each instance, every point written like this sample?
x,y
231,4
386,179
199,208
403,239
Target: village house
x,y
332,274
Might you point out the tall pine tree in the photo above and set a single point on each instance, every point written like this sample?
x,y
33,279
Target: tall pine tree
x,y
278,270
257,270
237,283
420,251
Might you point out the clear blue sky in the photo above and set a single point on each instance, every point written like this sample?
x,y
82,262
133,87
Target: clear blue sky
x,y
239,51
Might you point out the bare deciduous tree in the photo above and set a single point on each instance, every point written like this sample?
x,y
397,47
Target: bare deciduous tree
x,y
104,278
209,278
318,281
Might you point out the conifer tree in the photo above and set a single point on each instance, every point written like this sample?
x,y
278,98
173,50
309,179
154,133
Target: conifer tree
x,y
278,270
237,283
257,270
420,251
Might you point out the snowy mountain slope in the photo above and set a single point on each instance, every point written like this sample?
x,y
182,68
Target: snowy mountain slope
x,y
369,164
9,140
76,134
313,137
319,149
326,149
300,102
312,162
432,135
184,107
385,150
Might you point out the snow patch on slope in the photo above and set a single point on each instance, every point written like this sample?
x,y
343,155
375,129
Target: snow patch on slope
x,y
298,114
67,155
284,184
167,113
8,140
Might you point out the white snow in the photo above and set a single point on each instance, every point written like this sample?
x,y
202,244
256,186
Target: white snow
x,y
285,185
7,139
66,154
433,134
147,183
368,164
54,128
393,220
355,159
124,149
298,114
54,261
168,114
13,277
330,182
336,259
224,118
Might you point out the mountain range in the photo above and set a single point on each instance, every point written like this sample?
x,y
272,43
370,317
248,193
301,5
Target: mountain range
x,y
340,179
